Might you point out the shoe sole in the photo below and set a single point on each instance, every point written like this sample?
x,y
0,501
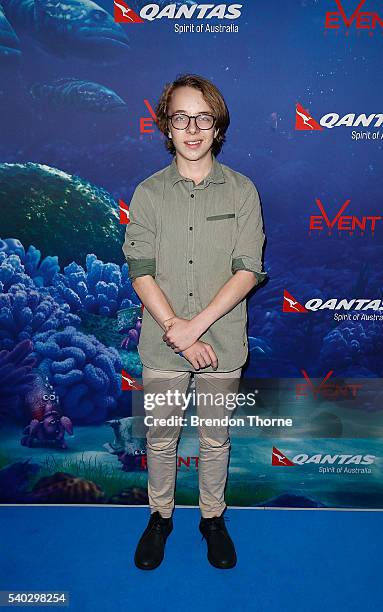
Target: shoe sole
x,y
222,566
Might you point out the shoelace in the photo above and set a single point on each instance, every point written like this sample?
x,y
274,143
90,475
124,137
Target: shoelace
x,y
216,523
157,524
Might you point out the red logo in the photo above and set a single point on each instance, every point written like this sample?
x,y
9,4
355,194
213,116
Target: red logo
x,y
327,391
304,121
124,212
290,304
129,383
343,223
124,14
362,20
278,458
146,123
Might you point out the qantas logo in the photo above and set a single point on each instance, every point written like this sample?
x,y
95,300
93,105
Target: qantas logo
x,y
124,212
361,20
341,222
280,459
290,304
129,383
304,121
124,14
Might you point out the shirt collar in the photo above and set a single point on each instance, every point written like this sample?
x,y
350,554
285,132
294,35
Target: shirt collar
x,y
215,175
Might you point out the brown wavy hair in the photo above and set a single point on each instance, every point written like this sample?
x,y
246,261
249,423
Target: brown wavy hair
x,y
211,95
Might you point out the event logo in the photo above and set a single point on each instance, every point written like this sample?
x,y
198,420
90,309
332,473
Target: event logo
x,y
341,222
129,383
280,459
124,14
360,20
326,391
290,304
124,212
146,123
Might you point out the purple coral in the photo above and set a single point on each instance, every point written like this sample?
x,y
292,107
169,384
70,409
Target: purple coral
x,y
102,289
85,373
16,378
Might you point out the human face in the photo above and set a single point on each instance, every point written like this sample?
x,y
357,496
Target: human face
x,y
190,101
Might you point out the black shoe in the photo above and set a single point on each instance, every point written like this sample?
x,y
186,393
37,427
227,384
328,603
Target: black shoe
x,y
150,548
221,552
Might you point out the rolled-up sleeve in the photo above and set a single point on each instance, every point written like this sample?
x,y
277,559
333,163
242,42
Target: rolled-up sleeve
x,y
139,244
247,254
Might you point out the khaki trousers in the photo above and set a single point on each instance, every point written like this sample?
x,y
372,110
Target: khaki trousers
x,y
214,441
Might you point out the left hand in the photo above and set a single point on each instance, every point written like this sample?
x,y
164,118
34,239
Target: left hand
x,y
180,333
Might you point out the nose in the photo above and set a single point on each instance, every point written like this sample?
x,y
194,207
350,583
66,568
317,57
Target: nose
x,y
192,127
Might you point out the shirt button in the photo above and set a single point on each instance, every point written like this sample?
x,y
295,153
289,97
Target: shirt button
x,y
192,195
190,261
190,294
190,228
132,243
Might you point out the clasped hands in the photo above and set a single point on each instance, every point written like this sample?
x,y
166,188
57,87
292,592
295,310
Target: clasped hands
x,y
180,333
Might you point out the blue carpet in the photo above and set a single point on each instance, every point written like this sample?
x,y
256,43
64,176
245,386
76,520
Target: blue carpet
x,y
288,560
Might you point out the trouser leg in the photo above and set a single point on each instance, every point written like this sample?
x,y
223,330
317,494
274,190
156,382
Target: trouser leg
x,y
214,441
162,440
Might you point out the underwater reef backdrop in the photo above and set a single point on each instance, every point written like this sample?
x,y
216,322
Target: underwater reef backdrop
x,y
78,85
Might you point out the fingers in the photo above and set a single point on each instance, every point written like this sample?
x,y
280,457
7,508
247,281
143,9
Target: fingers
x,y
213,356
168,324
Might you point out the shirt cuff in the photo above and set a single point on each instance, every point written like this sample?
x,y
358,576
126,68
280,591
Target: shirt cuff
x,y
140,267
239,264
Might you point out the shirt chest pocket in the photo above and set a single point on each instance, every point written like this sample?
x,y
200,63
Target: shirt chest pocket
x,y
221,229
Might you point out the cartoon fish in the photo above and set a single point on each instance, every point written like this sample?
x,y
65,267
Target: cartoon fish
x,y
78,94
72,28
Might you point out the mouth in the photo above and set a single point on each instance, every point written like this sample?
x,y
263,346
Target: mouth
x,y
193,144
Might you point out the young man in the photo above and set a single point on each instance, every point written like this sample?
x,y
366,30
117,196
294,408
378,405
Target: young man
x,y
194,250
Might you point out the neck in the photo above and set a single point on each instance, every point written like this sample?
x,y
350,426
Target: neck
x,y
197,169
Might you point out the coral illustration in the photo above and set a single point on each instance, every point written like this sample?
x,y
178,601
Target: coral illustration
x,y
85,374
16,378
103,288
40,270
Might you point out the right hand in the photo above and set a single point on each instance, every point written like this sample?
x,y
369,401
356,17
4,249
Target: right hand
x,y
201,355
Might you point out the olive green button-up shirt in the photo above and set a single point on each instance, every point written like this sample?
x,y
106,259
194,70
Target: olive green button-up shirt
x,y
192,239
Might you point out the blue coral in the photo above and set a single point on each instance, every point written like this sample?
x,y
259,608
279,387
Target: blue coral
x,y
85,373
41,271
12,272
354,346
16,378
103,288
26,311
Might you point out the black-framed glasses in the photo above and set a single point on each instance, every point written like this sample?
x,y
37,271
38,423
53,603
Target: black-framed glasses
x,y
204,121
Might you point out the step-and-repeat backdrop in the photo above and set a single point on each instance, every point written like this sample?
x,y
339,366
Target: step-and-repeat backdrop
x,y
79,82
